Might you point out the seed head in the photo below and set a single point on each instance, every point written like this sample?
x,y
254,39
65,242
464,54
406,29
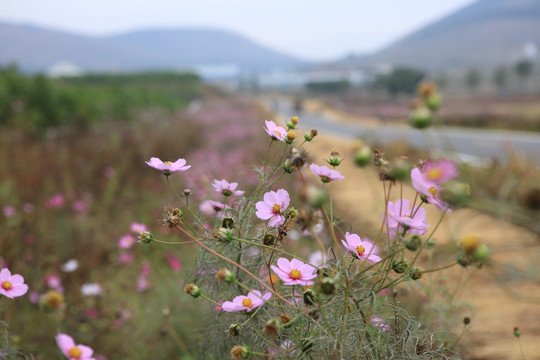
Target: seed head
x,y
171,217
192,290
240,352
272,327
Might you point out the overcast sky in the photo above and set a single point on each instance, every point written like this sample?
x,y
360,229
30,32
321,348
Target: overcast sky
x,y
311,29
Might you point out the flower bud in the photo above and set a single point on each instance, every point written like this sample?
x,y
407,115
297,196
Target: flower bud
x,y
240,352
400,170
420,118
285,319
469,243
293,121
466,320
269,239
481,254
362,157
145,237
400,266
416,273
328,285
225,275
413,242
313,195
225,235
517,332
187,192
456,193
335,158
310,135
290,137
272,327
309,297
291,213
227,223
52,300
434,101
234,329
192,290
463,259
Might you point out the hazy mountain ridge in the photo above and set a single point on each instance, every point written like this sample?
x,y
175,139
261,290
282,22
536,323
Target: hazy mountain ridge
x,y
37,49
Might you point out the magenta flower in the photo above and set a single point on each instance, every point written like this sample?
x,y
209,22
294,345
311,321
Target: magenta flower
x,y
379,322
273,206
168,167
429,189
72,351
363,250
12,285
294,272
227,188
325,174
440,171
400,218
55,201
253,300
276,132
126,241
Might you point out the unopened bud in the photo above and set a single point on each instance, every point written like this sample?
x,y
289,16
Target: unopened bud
x,y
481,254
225,275
362,157
309,297
145,237
434,101
517,332
420,118
240,352
234,329
328,285
192,290
413,242
464,260
291,124
285,319
310,135
456,193
227,223
187,192
335,158
400,170
269,239
314,196
290,137
466,320
416,273
400,266
52,300
291,213
225,235
469,243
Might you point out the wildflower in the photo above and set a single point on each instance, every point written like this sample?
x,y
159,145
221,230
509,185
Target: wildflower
x,y
429,189
28,208
79,206
55,201
363,250
70,266
174,262
53,281
379,322
401,217
91,289
325,174
276,132
168,167
227,188
294,272
253,300
138,227
72,351
126,241
52,300
12,285
440,171
125,258
211,207
273,206
9,211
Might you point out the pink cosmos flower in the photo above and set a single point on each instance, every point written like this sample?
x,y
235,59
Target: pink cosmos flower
x,y
294,272
138,227
440,171
211,207
126,258
325,174
400,218
253,300
276,132
12,285
79,206
379,322
9,211
126,241
273,206
55,201
53,281
364,250
72,351
316,258
429,189
168,167
227,188
174,262
91,289
28,208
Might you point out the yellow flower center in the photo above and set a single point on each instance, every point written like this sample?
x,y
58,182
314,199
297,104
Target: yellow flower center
x,y
278,133
432,190
167,163
247,303
7,285
75,352
434,174
295,274
276,209
360,250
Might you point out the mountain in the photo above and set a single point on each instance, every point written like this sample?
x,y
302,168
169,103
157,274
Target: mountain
x,y
487,33
38,49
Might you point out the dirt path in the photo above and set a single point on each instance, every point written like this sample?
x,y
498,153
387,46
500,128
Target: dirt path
x,y
493,310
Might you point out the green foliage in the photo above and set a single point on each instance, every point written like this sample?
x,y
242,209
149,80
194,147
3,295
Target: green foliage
x,y
35,103
401,80
328,86
524,69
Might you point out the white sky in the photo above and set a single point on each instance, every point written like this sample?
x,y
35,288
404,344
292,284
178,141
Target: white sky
x,y
311,29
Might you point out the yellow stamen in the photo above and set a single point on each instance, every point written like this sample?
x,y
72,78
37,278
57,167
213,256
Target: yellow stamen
x,y
7,285
276,209
432,190
295,274
434,174
75,352
167,163
247,303
360,250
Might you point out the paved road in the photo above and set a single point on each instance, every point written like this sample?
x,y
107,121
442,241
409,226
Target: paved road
x,y
477,146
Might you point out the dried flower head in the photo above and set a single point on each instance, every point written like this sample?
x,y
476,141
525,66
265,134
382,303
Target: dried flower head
x,y
171,217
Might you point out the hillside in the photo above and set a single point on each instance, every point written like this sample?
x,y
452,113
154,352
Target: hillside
x,y
486,33
37,49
